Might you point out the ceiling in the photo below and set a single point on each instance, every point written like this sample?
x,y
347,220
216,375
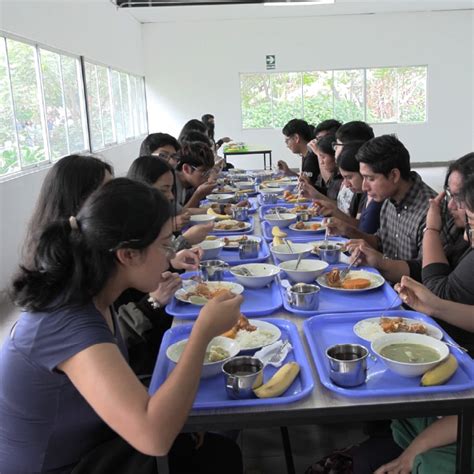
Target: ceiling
x,y
238,10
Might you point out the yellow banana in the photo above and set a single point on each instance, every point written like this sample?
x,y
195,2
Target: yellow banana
x,y
212,212
441,373
278,241
280,381
277,232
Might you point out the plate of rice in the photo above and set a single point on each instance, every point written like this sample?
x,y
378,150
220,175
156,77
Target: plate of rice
x,y
256,335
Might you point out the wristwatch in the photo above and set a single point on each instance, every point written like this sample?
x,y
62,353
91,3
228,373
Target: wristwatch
x,y
154,303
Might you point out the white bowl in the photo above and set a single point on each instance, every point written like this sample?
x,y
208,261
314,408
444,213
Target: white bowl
x,y
307,270
244,184
209,369
201,219
211,248
220,197
271,190
262,274
283,253
409,369
285,219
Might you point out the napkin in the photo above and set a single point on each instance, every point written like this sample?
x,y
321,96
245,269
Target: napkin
x,y
269,351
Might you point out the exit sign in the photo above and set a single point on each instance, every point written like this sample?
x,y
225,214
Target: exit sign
x,y
270,61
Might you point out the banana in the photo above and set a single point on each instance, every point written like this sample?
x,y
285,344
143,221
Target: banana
x,y
277,241
212,212
280,381
277,232
441,373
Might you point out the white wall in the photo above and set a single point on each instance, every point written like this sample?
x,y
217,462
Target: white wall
x,y
95,30
197,71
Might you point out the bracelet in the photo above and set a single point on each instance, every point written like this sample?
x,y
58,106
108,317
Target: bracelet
x,y
431,228
154,303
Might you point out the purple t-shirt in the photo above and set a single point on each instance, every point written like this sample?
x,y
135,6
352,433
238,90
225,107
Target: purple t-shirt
x,y
45,423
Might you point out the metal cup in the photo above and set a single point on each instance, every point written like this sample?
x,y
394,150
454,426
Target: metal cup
x,y
242,375
240,213
302,216
270,198
248,249
213,270
303,296
330,253
347,364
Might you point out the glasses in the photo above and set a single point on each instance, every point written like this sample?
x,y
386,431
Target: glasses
x,y
287,139
168,156
170,250
452,196
334,145
204,174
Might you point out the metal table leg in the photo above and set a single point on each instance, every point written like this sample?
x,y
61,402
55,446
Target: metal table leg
x,y
285,437
464,442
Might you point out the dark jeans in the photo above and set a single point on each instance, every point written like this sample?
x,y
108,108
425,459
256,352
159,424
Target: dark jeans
x,y
373,453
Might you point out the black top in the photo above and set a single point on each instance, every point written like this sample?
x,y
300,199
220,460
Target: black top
x,y
329,188
310,164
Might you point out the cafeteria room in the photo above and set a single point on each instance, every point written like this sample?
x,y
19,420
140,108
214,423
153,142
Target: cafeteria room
x,y
260,214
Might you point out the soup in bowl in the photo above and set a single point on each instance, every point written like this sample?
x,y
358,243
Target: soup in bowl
x,y
410,355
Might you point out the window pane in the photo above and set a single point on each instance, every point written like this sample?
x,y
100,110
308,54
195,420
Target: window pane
x,y
53,99
105,104
73,97
286,96
256,100
143,112
382,95
22,59
135,105
117,103
9,159
127,115
412,94
317,96
94,107
349,95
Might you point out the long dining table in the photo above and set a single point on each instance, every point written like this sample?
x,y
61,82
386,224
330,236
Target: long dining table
x,y
325,406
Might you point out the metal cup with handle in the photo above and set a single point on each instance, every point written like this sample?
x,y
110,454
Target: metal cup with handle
x,y
212,270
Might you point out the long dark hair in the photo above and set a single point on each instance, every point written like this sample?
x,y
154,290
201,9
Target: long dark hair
x,y
74,260
65,188
193,124
325,145
148,169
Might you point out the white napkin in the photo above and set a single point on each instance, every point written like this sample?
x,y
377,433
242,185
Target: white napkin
x,y
269,351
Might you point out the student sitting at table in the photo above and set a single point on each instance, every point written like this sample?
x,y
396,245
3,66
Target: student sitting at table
x,y
364,212
194,175
163,146
65,379
298,134
328,183
395,249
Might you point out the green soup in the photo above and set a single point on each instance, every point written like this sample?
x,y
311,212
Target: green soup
x,y
411,353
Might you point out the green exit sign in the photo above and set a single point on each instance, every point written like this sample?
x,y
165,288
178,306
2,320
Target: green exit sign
x,y
270,61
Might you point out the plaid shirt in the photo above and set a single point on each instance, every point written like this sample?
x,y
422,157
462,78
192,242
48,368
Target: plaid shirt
x,y
402,224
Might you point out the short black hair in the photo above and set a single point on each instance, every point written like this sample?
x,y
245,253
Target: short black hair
x,y
464,166
347,158
331,126
385,153
355,131
195,136
195,154
193,124
157,140
148,169
298,127
325,145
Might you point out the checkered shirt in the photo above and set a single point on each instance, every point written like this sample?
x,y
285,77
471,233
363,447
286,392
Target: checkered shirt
x,y
402,224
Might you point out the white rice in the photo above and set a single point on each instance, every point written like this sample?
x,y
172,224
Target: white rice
x,y
257,338
370,330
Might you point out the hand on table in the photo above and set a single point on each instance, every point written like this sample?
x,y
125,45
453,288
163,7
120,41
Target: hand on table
x,y
170,283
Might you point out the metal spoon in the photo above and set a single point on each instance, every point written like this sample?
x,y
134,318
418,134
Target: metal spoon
x,y
298,261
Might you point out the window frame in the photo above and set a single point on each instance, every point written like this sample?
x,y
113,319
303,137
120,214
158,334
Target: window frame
x,y
333,70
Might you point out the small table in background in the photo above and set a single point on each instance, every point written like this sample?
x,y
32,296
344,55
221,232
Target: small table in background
x,y
252,151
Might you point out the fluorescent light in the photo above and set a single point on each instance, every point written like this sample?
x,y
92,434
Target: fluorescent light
x,y
289,3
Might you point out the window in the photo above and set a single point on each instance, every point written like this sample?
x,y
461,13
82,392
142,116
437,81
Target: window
x,y
377,95
117,108
43,106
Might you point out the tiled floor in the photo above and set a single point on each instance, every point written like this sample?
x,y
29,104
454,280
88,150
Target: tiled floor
x,y
262,448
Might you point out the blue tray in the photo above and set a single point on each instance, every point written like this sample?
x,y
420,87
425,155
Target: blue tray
x,y
260,302
252,200
211,392
231,232
266,207
232,256
291,234
333,301
324,331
